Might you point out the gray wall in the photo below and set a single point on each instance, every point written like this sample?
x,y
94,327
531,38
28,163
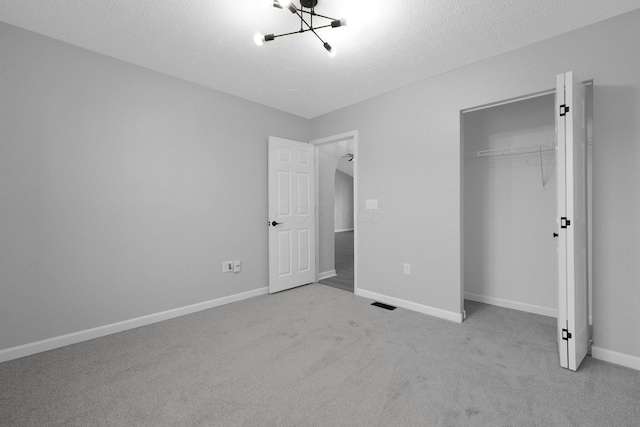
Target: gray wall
x,y
510,255
343,198
410,157
122,190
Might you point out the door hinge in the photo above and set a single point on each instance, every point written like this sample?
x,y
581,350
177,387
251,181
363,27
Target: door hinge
x,y
564,109
564,222
566,335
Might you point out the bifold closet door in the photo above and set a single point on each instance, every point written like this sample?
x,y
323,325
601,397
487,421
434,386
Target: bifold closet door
x,y
573,330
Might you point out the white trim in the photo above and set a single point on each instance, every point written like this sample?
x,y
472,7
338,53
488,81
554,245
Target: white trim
x,y
101,331
425,309
356,168
327,274
611,356
344,230
529,308
335,138
510,101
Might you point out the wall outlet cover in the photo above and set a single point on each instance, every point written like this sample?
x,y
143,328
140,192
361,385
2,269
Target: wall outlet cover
x,y
407,269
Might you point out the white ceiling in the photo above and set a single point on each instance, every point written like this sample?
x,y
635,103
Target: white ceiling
x,y
387,44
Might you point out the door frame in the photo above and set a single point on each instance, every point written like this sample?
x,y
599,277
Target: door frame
x,y
347,136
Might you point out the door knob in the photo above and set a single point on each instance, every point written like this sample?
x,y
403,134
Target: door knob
x,y
555,234
274,223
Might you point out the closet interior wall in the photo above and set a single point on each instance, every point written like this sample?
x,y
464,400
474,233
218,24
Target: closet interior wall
x,y
509,204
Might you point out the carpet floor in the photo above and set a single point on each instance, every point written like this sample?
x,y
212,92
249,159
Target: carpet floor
x,y
319,356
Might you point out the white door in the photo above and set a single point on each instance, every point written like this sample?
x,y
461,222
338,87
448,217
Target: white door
x,y
573,330
291,214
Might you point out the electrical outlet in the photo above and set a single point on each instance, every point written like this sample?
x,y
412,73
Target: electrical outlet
x,y
371,204
227,266
407,269
236,266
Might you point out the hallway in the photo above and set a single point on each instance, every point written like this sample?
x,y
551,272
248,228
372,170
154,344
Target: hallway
x,y
344,263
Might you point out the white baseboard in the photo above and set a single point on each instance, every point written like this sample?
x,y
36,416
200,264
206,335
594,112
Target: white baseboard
x,y
611,356
343,230
529,308
327,274
101,331
425,309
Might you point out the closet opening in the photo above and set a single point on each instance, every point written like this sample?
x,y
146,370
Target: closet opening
x,y
509,203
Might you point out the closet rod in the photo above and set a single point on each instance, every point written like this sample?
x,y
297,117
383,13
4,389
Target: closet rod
x,y
526,149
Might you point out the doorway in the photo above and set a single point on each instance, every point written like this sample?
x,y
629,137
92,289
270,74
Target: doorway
x,y
343,225
336,201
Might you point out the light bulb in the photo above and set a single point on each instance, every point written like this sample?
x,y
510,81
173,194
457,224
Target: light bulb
x,y
258,39
332,52
284,3
339,23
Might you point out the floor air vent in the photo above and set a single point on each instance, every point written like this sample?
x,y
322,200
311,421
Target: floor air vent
x,y
385,306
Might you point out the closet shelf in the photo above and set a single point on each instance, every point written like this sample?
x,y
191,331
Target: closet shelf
x,y
526,149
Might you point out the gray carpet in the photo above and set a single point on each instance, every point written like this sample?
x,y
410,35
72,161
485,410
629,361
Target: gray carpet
x,y
319,356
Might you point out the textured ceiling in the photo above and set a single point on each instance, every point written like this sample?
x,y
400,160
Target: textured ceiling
x,y
387,44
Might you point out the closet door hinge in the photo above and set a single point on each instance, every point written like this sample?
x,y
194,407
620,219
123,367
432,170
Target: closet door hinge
x,y
566,335
564,109
564,222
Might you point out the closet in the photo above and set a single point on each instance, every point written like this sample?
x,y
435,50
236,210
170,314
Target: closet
x,y
510,205
526,203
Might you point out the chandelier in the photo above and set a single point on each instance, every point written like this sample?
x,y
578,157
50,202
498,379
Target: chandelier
x,y
306,12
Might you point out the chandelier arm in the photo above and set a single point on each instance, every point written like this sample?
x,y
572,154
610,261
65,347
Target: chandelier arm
x,y
310,27
315,14
322,16
317,28
301,20
288,34
320,38
300,31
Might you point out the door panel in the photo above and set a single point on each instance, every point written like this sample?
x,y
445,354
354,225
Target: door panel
x,y
573,330
561,145
292,208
